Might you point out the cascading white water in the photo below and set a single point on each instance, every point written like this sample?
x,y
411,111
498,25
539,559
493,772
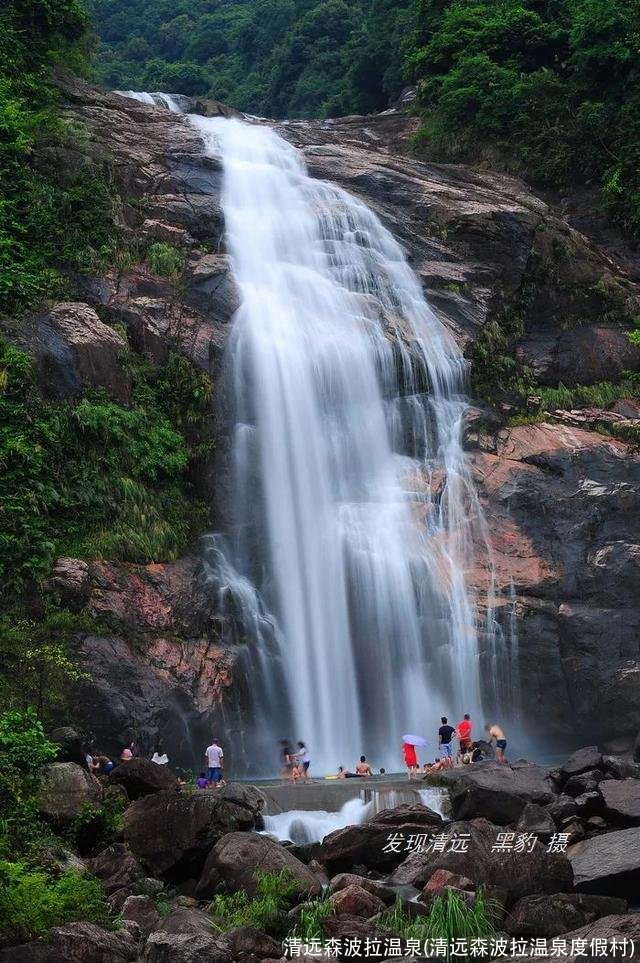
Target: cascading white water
x,y
356,518
354,510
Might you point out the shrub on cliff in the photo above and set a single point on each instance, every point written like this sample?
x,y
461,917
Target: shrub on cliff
x,y
56,216
95,478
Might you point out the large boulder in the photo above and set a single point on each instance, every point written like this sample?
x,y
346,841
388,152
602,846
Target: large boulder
x,y
370,844
65,788
248,943
142,911
76,943
357,901
76,350
141,777
552,915
520,873
232,863
186,935
172,832
497,792
343,880
582,761
70,745
621,800
116,868
607,864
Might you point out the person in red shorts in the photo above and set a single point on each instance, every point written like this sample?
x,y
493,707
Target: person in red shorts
x,y
464,732
410,759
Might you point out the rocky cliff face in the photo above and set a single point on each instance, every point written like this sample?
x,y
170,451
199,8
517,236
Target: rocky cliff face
x,y
522,292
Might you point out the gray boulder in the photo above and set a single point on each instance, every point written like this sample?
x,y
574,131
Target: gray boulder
x,y
535,819
621,800
497,792
171,832
231,865
116,868
367,843
581,761
552,915
65,788
76,943
141,777
141,910
186,935
70,745
608,864
636,749
583,782
76,350
246,942
519,873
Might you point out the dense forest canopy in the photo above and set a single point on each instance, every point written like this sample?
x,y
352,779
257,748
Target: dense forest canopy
x,y
547,87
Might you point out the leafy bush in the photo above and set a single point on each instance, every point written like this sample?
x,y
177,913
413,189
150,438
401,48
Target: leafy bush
x,y
31,902
96,827
24,750
165,260
95,479
267,912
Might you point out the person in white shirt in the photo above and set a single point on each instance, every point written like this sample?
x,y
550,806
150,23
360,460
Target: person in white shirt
x,y
160,757
303,758
215,762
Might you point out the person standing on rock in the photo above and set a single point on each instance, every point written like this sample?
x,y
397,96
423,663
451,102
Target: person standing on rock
x,y
215,763
496,735
465,729
445,735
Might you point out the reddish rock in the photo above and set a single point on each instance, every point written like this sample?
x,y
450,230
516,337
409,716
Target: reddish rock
x,y
356,901
142,911
442,880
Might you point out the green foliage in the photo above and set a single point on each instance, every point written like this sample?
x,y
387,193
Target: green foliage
x,y
94,478
275,57
600,395
31,902
553,88
36,669
309,921
56,207
267,912
24,750
96,827
166,260
494,369
449,918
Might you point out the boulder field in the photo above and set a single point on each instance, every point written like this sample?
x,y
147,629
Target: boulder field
x,y
550,864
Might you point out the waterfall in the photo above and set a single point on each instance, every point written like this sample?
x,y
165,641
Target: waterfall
x,y
355,516
354,508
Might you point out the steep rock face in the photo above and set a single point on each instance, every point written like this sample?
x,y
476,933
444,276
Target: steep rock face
x,y
496,263
562,505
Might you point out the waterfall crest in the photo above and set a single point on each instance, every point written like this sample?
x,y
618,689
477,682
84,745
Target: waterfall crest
x,y
354,508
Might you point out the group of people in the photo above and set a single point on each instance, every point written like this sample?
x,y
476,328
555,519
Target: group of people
x,y
468,751
295,764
